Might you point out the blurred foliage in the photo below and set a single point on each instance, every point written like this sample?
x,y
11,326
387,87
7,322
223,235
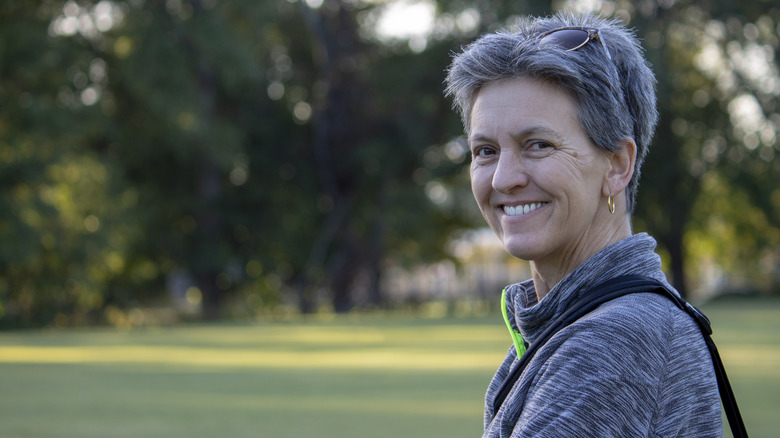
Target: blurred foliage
x,y
712,160
244,155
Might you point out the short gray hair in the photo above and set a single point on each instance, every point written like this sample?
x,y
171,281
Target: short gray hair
x,y
615,99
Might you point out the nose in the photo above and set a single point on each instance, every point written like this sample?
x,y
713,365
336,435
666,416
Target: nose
x,y
510,173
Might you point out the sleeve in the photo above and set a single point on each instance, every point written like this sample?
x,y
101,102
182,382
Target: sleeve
x,y
601,380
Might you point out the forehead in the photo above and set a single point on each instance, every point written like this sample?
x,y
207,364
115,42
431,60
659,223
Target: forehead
x,y
520,104
519,107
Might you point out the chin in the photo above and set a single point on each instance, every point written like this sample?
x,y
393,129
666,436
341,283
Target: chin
x,y
522,250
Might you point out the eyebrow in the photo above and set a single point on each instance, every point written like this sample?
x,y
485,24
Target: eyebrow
x,y
525,132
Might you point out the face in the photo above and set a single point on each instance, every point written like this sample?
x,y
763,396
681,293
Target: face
x,y
536,177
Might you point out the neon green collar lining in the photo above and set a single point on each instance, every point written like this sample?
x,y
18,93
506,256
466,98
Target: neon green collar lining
x,y
517,338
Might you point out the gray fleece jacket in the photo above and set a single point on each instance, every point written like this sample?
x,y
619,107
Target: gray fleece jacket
x,y
637,366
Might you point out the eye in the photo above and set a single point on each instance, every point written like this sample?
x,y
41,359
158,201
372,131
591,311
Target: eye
x,y
539,149
540,145
483,151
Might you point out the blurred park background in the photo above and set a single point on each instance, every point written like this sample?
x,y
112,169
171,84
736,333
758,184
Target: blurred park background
x,y
210,159
286,177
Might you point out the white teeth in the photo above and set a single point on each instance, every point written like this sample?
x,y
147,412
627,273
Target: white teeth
x,y
521,209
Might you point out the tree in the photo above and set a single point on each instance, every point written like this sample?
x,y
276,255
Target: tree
x,y
234,153
259,153
706,86
370,132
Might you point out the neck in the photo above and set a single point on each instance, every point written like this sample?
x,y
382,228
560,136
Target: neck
x,y
549,271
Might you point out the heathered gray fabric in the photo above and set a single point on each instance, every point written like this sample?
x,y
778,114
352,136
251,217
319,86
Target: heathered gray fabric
x,y
635,367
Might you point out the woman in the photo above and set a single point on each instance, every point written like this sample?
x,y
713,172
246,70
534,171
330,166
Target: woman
x,y
559,114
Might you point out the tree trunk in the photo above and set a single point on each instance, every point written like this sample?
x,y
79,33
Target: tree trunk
x,y
210,190
337,125
209,224
342,285
306,302
376,249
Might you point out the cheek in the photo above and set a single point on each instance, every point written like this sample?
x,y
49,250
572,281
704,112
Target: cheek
x,y
480,183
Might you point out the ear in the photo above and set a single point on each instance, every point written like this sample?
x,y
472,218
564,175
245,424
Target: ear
x,y
621,168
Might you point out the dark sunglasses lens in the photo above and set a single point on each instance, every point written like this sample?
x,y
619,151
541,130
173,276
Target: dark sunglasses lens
x,y
566,38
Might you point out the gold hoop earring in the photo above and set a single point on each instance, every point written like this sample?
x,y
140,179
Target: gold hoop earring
x,y
611,204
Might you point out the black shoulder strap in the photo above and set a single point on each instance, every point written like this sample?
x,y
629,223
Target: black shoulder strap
x,y
610,290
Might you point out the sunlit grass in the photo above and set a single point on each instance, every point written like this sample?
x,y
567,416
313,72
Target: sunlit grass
x,y
397,359
330,346
747,334
378,377
345,378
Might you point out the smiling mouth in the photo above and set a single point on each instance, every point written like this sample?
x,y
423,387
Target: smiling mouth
x,y
519,210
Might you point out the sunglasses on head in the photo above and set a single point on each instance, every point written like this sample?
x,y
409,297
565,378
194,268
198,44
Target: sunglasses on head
x,y
572,38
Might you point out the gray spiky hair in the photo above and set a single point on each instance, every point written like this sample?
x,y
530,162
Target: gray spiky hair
x,y
615,98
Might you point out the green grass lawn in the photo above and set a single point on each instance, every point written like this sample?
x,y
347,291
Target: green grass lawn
x,y
353,377
747,334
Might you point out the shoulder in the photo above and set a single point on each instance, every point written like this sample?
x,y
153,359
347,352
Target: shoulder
x,y
636,313
643,314
643,320
635,327
637,330
620,328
